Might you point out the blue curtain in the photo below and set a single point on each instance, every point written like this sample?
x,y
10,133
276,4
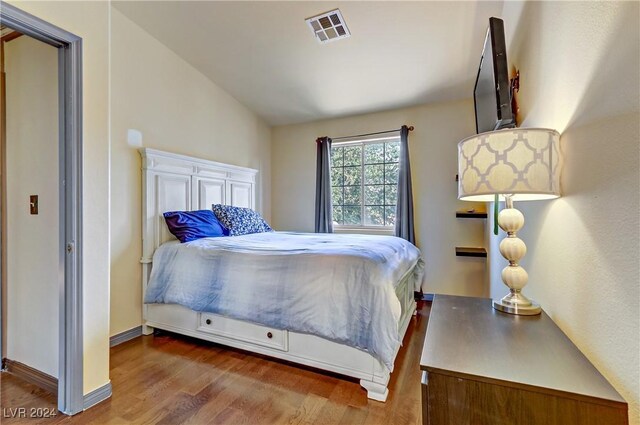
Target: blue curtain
x,y
324,220
404,209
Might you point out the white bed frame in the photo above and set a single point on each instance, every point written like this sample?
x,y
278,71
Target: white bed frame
x,y
176,182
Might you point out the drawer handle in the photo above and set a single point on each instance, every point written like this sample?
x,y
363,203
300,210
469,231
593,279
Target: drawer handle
x,y
208,321
269,335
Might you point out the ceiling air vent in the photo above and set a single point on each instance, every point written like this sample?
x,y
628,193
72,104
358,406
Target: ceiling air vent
x,y
328,26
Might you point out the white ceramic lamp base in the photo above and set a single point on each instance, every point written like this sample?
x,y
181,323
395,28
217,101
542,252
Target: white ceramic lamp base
x,y
514,276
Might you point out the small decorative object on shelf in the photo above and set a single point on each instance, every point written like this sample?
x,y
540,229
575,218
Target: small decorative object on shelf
x,y
471,214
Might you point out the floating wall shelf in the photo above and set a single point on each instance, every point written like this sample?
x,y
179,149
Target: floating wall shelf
x,y
475,214
462,251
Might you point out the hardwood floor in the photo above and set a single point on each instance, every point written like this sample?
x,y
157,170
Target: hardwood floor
x,y
171,379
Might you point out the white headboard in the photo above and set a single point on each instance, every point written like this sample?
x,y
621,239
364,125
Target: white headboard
x,y
172,182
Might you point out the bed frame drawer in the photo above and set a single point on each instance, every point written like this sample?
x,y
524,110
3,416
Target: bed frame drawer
x,y
243,331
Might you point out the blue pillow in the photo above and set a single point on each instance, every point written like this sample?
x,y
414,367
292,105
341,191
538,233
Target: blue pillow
x,y
240,221
188,226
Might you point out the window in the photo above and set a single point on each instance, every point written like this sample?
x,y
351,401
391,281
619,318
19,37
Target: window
x,y
364,182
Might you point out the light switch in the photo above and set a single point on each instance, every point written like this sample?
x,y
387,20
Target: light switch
x,y
33,204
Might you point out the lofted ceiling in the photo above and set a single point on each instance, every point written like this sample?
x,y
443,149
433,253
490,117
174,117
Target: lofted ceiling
x,y
264,54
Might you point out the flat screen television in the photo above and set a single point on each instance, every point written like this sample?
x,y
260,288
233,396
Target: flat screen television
x,y
491,93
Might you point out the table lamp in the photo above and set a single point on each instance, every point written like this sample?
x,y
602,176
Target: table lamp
x,y
518,164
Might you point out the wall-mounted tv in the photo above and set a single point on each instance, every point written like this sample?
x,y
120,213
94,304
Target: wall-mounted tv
x,y
491,94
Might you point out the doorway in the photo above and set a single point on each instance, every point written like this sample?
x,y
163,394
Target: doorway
x,y
69,141
32,273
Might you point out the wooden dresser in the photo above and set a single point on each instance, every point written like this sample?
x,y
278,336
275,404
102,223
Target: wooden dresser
x,y
484,367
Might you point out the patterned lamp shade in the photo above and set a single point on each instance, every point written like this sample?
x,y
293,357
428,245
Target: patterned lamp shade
x,y
524,162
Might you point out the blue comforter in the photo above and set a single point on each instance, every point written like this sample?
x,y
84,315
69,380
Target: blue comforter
x,y
336,286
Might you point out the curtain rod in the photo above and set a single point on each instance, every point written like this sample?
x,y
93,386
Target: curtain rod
x,y
369,134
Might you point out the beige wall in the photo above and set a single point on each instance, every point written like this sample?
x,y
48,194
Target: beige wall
x,y
433,147
176,109
32,169
579,65
90,20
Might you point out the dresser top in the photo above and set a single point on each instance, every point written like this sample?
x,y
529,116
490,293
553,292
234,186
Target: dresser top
x,y
467,338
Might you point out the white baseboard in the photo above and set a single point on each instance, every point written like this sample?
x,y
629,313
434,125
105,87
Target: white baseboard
x,y
125,336
34,376
96,396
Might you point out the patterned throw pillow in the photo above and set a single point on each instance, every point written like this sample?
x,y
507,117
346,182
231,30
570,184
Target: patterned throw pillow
x,y
240,221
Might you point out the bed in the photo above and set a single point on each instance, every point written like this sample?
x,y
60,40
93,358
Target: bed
x,y
304,316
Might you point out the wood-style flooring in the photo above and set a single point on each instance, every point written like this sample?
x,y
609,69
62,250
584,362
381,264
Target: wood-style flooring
x,y
171,379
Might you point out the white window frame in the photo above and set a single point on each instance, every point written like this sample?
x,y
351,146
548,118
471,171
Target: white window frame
x,y
370,229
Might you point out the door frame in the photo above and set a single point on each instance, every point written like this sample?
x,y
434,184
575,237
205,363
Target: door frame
x,y
70,375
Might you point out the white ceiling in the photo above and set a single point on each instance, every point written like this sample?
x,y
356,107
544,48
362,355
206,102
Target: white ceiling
x,y
263,53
